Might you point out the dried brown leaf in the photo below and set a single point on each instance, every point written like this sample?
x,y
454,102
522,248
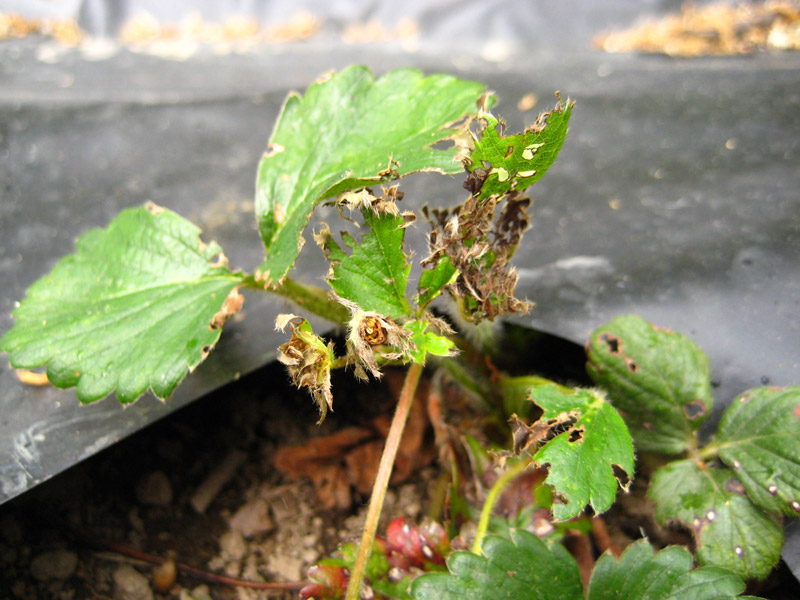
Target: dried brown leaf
x,y
480,246
349,458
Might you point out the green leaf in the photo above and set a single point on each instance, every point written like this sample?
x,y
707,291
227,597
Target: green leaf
x,y
375,273
348,132
432,281
759,437
666,575
131,309
658,379
426,342
515,162
729,530
592,457
522,568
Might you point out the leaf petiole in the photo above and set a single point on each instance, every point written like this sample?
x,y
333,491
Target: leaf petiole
x,y
491,500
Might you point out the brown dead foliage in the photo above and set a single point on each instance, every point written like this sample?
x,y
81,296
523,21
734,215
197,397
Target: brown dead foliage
x,y
64,31
308,360
348,459
480,247
713,30
528,438
232,305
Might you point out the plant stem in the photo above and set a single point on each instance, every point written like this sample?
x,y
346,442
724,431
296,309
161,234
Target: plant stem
x,y
491,500
312,298
382,479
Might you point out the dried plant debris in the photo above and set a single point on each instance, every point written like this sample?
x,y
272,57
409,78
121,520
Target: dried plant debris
x,y
308,359
64,31
713,30
348,459
479,248
145,28
145,33
372,336
364,199
405,31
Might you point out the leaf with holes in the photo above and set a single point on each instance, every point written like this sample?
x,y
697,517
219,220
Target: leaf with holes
x,y
138,305
500,164
589,460
375,273
348,132
759,437
522,568
730,531
641,574
658,379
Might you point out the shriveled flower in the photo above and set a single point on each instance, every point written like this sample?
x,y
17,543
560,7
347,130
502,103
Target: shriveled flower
x,y
368,333
308,360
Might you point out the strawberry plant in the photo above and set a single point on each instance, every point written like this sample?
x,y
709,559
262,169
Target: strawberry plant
x,y
142,302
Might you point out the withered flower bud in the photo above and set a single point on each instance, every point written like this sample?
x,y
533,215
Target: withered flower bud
x,y
368,333
308,360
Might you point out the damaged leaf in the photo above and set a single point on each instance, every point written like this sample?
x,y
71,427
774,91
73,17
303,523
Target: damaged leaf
x,y
499,164
350,131
432,281
729,530
759,438
375,272
658,379
308,359
471,249
589,460
137,306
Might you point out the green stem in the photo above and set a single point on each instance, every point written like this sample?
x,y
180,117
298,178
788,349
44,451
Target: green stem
x,y
491,500
382,479
709,452
310,297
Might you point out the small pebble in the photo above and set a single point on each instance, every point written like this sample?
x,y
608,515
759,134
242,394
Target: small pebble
x,y
154,489
252,518
129,584
232,546
55,564
201,592
233,569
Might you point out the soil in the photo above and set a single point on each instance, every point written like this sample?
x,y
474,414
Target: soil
x,y
88,532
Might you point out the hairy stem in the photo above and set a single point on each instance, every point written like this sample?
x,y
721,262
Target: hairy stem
x,y
382,479
491,500
310,297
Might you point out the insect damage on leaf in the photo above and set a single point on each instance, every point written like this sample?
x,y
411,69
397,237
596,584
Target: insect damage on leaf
x,y
386,204
528,438
500,163
232,305
479,247
308,360
374,274
349,131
